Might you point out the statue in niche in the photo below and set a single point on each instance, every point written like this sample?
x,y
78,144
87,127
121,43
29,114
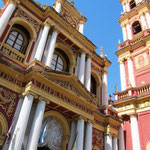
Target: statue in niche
x,y
51,135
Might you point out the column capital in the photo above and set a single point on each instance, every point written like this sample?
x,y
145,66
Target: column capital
x,y
80,117
89,55
16,2
30,93
43,99
104,70
83,20
121,61
83,52
56,30
133,115
60,1
47,22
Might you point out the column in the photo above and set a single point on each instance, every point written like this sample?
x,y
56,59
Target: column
x,y
121,138
88,136
77,66
6,16
82,67
73,134
129,32
51,48
131,72
58,5
14,121
42,42
36,126
115,144
127,6
88,73
108,142
124,31
124,8
135,133
80,134
104,88
122,76
19,132
143,21
147,15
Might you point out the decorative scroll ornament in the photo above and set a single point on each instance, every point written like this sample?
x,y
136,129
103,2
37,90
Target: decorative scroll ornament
x,y
51,135
70,18
7,101
22,14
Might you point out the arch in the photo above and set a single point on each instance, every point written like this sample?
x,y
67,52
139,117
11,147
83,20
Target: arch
x,y
132,4
26,24
136,27
3,128
98,82
63,122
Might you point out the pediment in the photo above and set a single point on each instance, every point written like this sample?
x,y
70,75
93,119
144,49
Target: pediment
x,y
71,83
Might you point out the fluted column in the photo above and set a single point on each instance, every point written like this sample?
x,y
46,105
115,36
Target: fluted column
x,y
88,73
124,31
88,136
36,126
135,133
129,32
131,72
80,134
42,42
121,138
115,143
82,67
73,134
19,132
147,15
122,76
77,66
108,142
104,88
51,48
143,21
7,15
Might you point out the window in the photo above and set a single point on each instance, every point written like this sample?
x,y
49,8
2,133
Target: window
x,y
132,4
93,85
136,27
57,63
18,38
15,40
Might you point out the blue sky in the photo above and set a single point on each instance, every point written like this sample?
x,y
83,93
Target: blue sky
x,y
103,29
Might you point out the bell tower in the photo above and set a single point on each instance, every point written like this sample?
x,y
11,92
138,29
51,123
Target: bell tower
x,y
132,103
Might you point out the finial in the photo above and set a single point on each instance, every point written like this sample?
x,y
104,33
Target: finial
x,y
119,42
102,52
72,2
116,88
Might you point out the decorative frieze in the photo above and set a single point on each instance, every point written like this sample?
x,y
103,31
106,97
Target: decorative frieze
x,y
24,15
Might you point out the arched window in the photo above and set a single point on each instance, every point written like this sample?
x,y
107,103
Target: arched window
x,y
60,61
132,4
93,85
18,38
136,27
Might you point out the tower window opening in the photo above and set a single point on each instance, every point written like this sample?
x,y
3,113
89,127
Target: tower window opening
x,y
136,27
132,4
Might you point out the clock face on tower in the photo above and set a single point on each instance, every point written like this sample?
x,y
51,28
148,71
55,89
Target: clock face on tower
x,y
141,60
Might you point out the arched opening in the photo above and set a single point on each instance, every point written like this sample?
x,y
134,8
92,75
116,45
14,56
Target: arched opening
x,y
60,61
18,38
93,85
132,4
136,27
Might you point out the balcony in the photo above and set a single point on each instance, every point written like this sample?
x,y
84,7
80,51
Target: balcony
x,y
12,53
137,38
133,92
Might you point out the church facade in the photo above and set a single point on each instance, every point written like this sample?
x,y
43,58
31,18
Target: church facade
x,y
53,85
133,102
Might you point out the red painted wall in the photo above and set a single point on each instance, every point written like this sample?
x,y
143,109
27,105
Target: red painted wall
x,y
127,133
144,128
